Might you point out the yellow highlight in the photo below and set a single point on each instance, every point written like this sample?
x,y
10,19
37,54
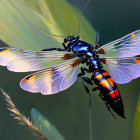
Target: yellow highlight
x,y
133,35
111,82
104,83
32,77
98,76
137,60
7,50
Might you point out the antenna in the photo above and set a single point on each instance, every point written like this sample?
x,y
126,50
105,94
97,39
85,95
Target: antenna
x,y
32,22
82,11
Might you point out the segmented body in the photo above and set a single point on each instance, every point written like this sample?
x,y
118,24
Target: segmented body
x,y
108,89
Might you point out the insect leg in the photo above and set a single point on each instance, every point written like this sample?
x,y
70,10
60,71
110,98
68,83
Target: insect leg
x,y
88,92
52,49
86,88
87,80
107,105
96,88
64,45
60,49
83,70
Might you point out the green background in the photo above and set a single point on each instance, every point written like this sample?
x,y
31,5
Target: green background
x,y
68,110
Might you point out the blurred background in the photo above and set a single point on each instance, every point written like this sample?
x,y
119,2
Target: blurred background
x,y
69,110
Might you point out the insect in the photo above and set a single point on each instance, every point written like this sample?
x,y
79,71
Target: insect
x,y
123,67
120,56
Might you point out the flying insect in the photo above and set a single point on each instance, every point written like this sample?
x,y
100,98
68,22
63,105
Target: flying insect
x,y
120,56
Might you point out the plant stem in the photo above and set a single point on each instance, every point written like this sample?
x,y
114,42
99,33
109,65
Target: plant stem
x,y
90,119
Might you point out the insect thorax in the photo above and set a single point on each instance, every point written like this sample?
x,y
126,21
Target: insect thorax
x,y
83,50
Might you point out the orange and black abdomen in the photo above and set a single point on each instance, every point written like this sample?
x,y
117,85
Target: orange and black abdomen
x,y
109,91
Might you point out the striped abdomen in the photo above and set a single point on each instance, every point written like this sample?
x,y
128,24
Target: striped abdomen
x,y
109,91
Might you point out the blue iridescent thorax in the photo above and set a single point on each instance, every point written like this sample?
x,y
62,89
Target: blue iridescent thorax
x,y
84,50
77,46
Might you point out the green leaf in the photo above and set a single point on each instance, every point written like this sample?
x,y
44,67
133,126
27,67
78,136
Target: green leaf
x,y
136,123
18,32
45,126
20,21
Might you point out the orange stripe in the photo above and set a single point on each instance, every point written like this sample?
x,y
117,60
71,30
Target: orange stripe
x,y
137,60
111,82
112,94
104,83
24,80
98,76
117,92
105,73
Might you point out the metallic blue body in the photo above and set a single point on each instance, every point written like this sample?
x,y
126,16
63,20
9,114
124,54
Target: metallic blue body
x,y
85,51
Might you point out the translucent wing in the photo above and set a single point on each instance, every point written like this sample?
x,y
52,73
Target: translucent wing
x,y
19,60
123,70
127,46
53,79
121,57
